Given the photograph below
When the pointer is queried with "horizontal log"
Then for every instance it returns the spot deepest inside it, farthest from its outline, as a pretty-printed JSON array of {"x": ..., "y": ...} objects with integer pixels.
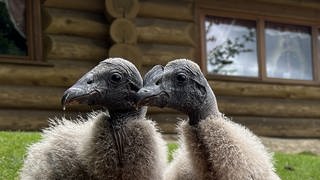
[
  {"x": 312, "y": 4},
  {"x": 70, "y": 47},
  {"x": 30, "y": 97},
  {"x": 96, "y": 6},
  {"x": 265, "y": 107},
  {"x": 166, "y": 9},
  {"x": 122, "y": 8},
  {"x": 165, "y": 31},
  {"x": 263, "y": 9},
  {"x": 269, "y": 107},
  {"x": 162, "y": 54},
  {"x": 262, "y": 126},
  {"x": 33, "y": 97},
  {"x": 282, "y": 127},
  {"x": 63, "y": 73},
  {"x": 49, "y": 98},
  {"x": 129, "y": 52},
  {"x": 30, "y": 119},
  {"x": 68, "y": 22},
  {"x": 222, "y": 88},
  {"x": 123, "y": 31}
]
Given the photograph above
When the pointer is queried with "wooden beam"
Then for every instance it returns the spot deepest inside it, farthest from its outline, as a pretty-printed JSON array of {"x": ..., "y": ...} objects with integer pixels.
[
  {"x": 165, "y": 32},
  {"x": 312, "y": 4},
  {"x": 224, "y": 88},
  {"x": 70, "y": 47},
  {"x": 269, "y": 107},
  {"x": 31, "y": 97},
  {"x": 127, "y": 51},
  {"x": 122, "y": 8},
  {"x": 95, "y": 6},
  {"x": 162, "y": 54},
  {"x": 28, "y": 120},
  {"x": 266, "y": 107},
  {"x": 123, "y": 31},
  {"x": 167, "y": 9},
  {"x": 274, "y": 11},
  {"x": 63, "y": 73},
  {"x": 68, "y": 22},
  {"x": 282, "y": 127}
]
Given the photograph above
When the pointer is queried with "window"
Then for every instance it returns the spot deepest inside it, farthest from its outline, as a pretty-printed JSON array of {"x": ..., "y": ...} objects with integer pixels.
[
  {"x": 20, "y": 31},
  {"x": 231, "y": 46},
  {"x": 258, "y": 48},
  {"x": 288, "y": 51}
]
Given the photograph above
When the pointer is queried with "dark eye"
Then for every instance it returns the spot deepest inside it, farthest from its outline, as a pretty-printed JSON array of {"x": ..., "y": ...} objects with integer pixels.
[
  {"x": 159, "y": 81},
  {"x": 90, "y": 81},
  {"x": 116, "y": 77},
  {"x": 181, "y": 77}
]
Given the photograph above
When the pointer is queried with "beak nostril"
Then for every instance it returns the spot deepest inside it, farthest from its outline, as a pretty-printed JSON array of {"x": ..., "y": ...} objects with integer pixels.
[{"x": 145, "y": 91}]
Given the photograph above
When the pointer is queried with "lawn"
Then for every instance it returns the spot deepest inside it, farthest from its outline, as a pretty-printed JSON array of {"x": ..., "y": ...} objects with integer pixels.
[{"x": 304, "y": 166}]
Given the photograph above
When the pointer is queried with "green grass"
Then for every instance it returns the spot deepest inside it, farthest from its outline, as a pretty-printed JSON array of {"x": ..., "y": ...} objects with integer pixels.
[
  {"x": 304, "y": 166},
  {"x": 12, "y": 149}
]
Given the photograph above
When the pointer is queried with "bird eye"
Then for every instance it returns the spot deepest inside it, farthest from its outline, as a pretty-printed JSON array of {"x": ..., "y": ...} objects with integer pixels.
[
  {"x": 116, "y": 77},
  {"x": 90, "y": 81},
  {"x": 181, "y": 77}
]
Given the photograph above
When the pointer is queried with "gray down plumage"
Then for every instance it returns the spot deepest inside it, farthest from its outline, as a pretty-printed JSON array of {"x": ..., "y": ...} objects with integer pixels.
[
  {"x": 211, "y": 145},
  {"x": 121, "y": 144}
]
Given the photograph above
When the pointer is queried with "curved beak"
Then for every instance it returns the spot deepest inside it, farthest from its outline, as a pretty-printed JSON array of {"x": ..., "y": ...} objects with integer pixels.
[
  {"x": 84, "y": 91},
  {"x": 78, "y": 95},
  {"x": 147, "y": 95},
  {"x": 152, "y": 93}
]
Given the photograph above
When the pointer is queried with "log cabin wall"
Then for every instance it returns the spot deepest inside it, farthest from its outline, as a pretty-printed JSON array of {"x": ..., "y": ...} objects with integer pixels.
[
  {"x": 75, "y": 38},
  {"x": 269, "y": 109},
  {"x": 78, "y": 34}
]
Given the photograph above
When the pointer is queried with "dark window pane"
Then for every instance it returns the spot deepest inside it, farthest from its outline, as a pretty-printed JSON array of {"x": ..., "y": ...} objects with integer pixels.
[
  {"x": 12, "y": 28},
  {"x": 288, "y": 51},
  {"x": 231, "y": 46}
]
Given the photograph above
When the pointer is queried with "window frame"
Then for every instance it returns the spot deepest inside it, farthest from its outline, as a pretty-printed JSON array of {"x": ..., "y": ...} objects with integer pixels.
[
  {"x": 34, "y": 37},
  {"x": 260, "y": 30}
]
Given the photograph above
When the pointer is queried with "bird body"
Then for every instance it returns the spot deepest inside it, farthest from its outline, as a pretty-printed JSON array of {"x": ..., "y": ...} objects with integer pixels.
[
  {"x": 221, "y": 149},
  {"x": 116, "y": 144},
  {"x": 214, "y": 146}
]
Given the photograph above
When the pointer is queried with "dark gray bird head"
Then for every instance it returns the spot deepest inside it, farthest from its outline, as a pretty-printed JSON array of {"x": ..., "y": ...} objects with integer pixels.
[
  {"x": 112, "y": 84},
  {"x": 182, "y": 86}
]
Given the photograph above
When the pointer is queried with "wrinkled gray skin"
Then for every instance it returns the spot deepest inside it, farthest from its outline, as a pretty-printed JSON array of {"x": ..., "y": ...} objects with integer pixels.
[
  {"x": 112, "y": 84},
  {"x": 179, "y": 85}
]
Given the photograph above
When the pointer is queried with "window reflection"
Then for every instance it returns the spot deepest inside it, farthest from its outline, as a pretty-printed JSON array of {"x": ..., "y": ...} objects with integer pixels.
[
  {"x": 288, "y": 51},
  {"x": 231, "y": 46},
  {"x": 12, "y": 27}
]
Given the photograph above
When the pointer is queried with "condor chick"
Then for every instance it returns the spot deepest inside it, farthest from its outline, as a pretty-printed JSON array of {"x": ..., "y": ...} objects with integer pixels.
[
  {"x": 118, "y": 144},
  {"x": 212, "y": 146}
]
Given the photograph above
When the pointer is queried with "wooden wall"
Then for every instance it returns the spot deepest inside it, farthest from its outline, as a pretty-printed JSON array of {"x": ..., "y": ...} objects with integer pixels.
[
  {"x": 75, "y": 33},
  {"x": 78, "y": 34}
]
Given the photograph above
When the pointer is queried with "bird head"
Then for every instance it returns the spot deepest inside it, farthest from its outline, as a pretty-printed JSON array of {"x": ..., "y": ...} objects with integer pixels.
[
  {"x": 179, "y": 85},
  {"x": 112, "y": 84}
]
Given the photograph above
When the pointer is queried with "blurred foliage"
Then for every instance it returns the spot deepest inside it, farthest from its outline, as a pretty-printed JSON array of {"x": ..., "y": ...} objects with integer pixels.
[
  {"x": 223, "y": 54},
  {"x": 11, "y": 42}
]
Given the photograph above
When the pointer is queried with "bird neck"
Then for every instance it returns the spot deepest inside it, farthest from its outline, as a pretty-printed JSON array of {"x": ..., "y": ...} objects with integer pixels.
[{"x": 209, "y": 107}]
